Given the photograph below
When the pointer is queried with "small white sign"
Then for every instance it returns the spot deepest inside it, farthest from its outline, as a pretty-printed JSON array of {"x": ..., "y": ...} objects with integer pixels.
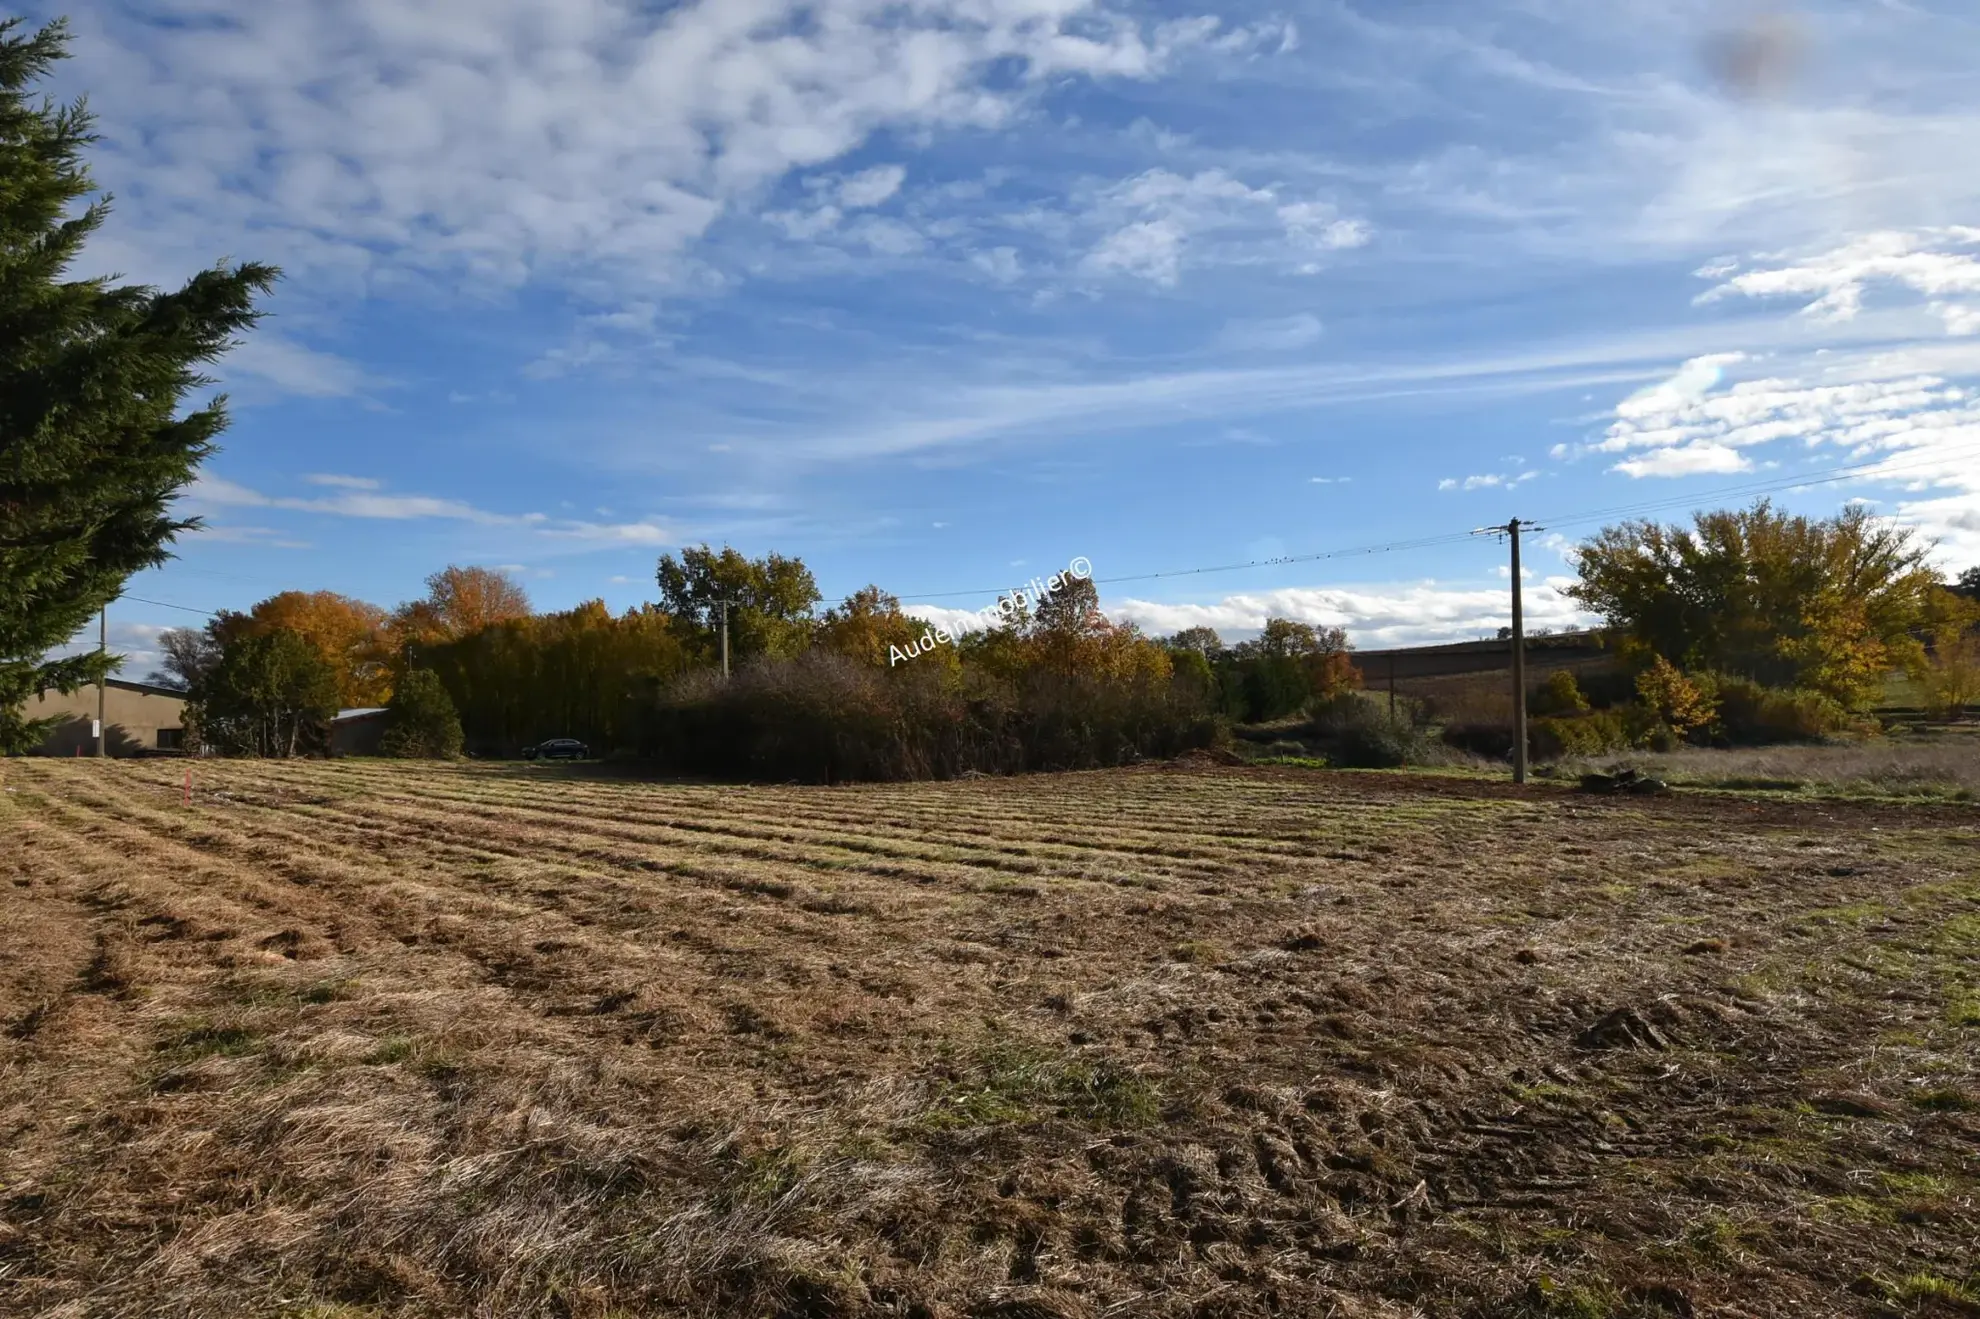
[{"x": 96, "y": 728}]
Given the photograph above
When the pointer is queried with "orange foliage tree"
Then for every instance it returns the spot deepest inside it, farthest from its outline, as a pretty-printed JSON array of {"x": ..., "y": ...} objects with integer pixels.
[
  {"x": 460, "y": 602},
  {"x": 349, "y": 634}
]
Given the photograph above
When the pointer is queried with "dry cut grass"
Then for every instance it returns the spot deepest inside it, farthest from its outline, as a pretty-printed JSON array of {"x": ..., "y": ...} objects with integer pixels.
[
  {"x": 387, "y": 1040},
  {"x": 1945, "y": 765}
]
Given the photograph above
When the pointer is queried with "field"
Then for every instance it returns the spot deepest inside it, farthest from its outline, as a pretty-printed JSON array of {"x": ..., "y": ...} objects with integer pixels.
[{"x": 370, "y": 1039}]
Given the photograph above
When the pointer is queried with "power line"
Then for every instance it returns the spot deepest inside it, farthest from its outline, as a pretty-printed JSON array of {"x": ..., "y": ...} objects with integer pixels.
[
  {"x": 166, "y": 604},
  {"x": 1820, "y": 476},
  {"x": 1385, "y": 548}
]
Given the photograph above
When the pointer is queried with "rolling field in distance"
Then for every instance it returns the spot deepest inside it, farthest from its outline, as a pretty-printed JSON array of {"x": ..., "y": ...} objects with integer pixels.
[{"x": 357, "y": 1039}]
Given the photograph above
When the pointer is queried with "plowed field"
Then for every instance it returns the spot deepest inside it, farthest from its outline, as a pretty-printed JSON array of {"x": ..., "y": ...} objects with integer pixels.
[{"x": 373, "y": 1039}]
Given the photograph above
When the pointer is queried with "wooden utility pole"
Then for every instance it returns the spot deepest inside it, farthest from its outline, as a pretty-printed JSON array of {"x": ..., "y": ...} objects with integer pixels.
[
  {"x": 1518, "y": 660},
  {"x": 103, "y": 680},
  {"x": 725, "y": 640},
  {"x": 1511, "y": 531}
]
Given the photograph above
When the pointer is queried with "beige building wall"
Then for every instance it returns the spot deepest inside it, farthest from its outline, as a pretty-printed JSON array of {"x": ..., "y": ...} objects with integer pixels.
[{"x": 139, "y": 718}]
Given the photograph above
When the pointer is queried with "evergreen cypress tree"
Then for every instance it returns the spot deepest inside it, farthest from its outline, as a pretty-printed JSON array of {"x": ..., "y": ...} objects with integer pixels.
[{"x": 91, "y": 376}]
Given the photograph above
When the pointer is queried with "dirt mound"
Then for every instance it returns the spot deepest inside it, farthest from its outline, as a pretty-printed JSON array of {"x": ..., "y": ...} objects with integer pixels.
[
  {"x": 1206, "y": 756},
  {"x": 1626, "y": 1028},
  {"x": 1624, "y": 782}
]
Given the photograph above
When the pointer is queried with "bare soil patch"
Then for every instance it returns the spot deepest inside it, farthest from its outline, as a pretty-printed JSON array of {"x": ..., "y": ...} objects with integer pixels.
[{"x": 369, "y": 1039}]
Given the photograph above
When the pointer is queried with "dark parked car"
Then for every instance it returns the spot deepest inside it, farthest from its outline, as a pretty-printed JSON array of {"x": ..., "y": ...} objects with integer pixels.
[{"x": 558, "y": 748}]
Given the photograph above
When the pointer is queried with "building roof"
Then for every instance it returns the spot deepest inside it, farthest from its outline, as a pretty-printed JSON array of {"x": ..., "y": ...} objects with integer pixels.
[
  {"x": 147, "y": 688},
  {"x": 361, "y": 712}
]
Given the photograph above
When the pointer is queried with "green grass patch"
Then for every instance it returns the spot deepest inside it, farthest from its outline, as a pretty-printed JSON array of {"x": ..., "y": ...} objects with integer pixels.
[
  {"x": 391, "y": 1049},
  {"x": 1197, "y": 952},
  {"x": 1945, "y": 1101},
  {"x": 1572, "y": 1300},
  {"x": 197, "y": 1038},
  {"x": 1013, "y": 1084}
]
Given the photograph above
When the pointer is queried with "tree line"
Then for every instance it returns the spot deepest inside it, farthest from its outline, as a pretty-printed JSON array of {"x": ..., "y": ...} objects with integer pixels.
[
  {"x": 1746, "y": 626},
  {"x": 1058, "y": 684}
]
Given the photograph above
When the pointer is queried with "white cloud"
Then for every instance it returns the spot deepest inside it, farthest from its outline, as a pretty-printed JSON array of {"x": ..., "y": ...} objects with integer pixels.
[
  {"x": 136, "y": 642},
  {"x": 1000, "y": 263},
  {"x": 1692, "y": 382},
  {"x": 1401, "y": 614},
  {"x": 215, "y": 492},
  {"x": 1959, "y": 318},
  {"x": 269, "y": 358},
  {"x": 1935, "y": 262},
  {"x": 1149, "y": 249},
  {"x": 1487, "y": 480},
  {"x": 1908, "y": 415},
  {"x": 520, "y": 139},
  {"x": 870, "y": 187},
  {"x": 957, "y": 621},
  {"x": 1688, "y": 460},
  {"x": 1155, "y": 220},
  {"x": 342, "y": 482},
  {"x": 1319, "y": 226},
  {"x": 1374, "y": 616},
  {"x": 1330, "y": 480},
  {"x": 806, "y": 225},
  {"x": 885, "y": 235}
]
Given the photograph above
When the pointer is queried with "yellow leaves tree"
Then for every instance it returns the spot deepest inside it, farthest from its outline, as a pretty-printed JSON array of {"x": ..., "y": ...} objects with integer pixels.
[
  {"x": 1952, "y": 671},
  {"x": 866, "y": 626},
  {"x": 580, "y": 673},
  {"x": 1825, "y": 604}
]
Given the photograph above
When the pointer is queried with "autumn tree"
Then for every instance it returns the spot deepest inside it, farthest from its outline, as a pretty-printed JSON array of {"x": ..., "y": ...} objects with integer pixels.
[
  {"x": 458, "y": 603},
  {"x": 349, "y": 634},
  {"x": 580, "y": 673},
  {"x": 770, "y": 601},
  {"x": 867, "y": 625},
  {"x": 93, "y": 445},
  {"x": 1951, "y": 672},
  {"x": 1286, "y": 665},
  {"x": 1787, "y": 601},
  {"x": 1203, "y": 640}
]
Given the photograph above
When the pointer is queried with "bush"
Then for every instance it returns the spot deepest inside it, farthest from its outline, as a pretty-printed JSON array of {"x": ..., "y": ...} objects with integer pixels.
[
  {"x": 1360, "y": 734},
  {"x": 1581, "y": 735},
  {"x": 1750, "y": 714},
  {"x": 1559, "y": 695},
  {"x": 1488, "y": 738},
  {"x": 822, "y": 718},
  {"x": 1680, "y": 702},
  {"x": 422, "y": 724}
]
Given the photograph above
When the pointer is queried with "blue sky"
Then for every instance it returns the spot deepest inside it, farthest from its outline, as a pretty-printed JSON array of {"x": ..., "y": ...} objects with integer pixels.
[{"x": 941, "y": 294}]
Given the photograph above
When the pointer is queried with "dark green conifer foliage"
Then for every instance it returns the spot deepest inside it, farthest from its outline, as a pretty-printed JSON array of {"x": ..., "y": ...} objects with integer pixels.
[{"x": 92, "y": 446}]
